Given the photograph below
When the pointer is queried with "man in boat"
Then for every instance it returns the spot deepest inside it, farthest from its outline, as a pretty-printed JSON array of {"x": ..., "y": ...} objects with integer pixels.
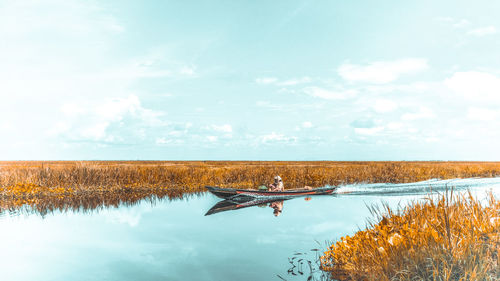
[{"x": 277, "y": 185}]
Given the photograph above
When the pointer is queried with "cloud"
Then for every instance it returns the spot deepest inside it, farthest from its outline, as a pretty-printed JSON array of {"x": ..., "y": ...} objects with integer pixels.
[
  {"x": 322, "y": 93},
  {"x": 212, "y": 138},
  {"x": 384, "y": 106},
  {"x": 395, "y": 126},
  {"x": 276, "y": 138},
  {"x": 290, "y": 107},
  {"x": 226, "y": 128},
  {"x": 482, "y": 114},
  {"x": 475, "y": 85},
  {"x": 363, "y": 123},
  {"x": 93, "y": 121},
  {"x": 422, "y": 113},
  {"x": 368, "y": 131},
  {"x": 307, "y": 124},
  {"x": 289, "y": 82},
  {"x": 267, "y": 104},
  {"x": 456, "y": 23},
  {"x": 266, "y": 80},
  {"x": 295, "y": 81},
  {"x": 188, "y": 70},
  {"x": 381, "y": 72},
  {"x": 482, "y": 31},
  {"x": 366, "y": 127}
]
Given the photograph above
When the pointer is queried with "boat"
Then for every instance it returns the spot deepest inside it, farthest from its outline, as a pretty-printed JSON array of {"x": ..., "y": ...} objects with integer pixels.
[
  {"x": 248, "y": 194},
  {"x": 229, "y": 205}
]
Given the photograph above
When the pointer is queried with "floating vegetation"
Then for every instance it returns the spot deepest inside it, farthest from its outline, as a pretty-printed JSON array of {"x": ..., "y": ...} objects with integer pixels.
[
  {"x": 444, "y": 238},
  {"x": 90, "y": 184}
]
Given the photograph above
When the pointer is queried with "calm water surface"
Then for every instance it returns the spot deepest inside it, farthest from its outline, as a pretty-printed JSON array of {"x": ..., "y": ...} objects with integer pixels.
[{"x": 173, "y": 240}]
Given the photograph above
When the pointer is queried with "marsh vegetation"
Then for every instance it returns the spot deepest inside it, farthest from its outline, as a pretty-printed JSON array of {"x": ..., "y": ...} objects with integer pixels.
[
  {"x": 91, "y": 184},
  {"x": 444, "y": 238}
]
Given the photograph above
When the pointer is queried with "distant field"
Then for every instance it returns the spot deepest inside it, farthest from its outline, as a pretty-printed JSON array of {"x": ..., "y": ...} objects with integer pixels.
[{"x": 112, "y": 182}]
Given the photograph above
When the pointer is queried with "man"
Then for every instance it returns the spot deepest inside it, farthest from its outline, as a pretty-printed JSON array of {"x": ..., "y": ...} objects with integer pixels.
[{"x": 277, "y": 185}]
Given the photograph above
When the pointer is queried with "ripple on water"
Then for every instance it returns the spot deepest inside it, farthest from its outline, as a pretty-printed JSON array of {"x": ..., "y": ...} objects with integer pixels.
[{"x": 423, "y": 187}]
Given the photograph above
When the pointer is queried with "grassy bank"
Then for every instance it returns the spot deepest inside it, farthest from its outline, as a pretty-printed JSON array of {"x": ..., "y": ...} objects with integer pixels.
[
  {"x": 194, "y": 175},
  {"x": 448, "y": 238},
  {"x": 97, "y": 183}
]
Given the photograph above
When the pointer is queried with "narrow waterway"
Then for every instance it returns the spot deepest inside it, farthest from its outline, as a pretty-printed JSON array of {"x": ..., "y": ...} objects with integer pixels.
[{"x": 174, "y": 240}]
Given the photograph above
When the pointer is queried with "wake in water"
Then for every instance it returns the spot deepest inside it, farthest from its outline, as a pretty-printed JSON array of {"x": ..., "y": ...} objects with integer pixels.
[{"x": 423, "y": 187}]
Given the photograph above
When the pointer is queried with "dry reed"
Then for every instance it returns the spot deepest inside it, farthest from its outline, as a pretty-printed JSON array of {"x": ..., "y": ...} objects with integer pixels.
[
  {"x": 448, "y": 238},
  {"x": 39, "y": 182}
]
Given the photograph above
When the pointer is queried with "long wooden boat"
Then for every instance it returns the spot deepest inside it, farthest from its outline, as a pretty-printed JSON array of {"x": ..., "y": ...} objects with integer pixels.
[{"x": 232, "y": 193}]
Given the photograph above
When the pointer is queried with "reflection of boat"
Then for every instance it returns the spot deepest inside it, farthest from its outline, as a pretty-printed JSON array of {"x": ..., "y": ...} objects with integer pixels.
[
  {"x": 228, "y": 204},
  {"x": 249, "y": 194}
]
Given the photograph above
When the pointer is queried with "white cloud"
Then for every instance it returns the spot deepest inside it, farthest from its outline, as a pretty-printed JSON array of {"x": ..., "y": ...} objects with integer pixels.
[
  {"x": 295, "y": 81},
  {"x": 482, "y": 31},
  {"x": 290, "y": 107},
  {"x": 266, "y": 80},
  {"x": 289, "y": 82},
  {"x": 395, "y": 126},
  {"x": 414, "y": 87},
  {"x": 161, "y": 141},
  {"x": 384, "y": 106},
  {"x": 461, "y": 23},
  {"x": 275, "y": 137},
  {"x": 4, "y": 125},
  {"x": 482, "y": 114},
  {"x": 307, "y": 124},
  {"x": 212, "y": 138},
  {"x": 475, "y": 85},
  {"x": 329, "y": 94},
  {"x": 171, "y": 141},
  {"x": 422, "y": 113},
  {"x": 431, "y": 139},
  {"x": 96, "y": 131},
  {"x": 226, "y": 128},
  {"x": 267, "y": 104},
  {"x": 368, "y": 131},
  {"x": 91, "y": 121},
  {"x": 72, "y": 66},
  {"x": 381, "y": 72},
  {"x": 188, "y": 70},
  {"x": 456, "y": 23}
]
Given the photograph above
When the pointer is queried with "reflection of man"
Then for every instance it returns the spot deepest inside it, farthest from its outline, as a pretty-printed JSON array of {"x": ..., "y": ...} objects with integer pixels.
[{"x": 277, "y": 206}]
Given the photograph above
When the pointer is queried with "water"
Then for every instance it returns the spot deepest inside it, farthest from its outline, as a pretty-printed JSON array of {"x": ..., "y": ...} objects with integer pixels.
[{"x": 173, "y": 240}]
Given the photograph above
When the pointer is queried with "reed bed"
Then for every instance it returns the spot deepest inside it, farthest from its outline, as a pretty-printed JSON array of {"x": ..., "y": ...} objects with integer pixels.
[
  {"x": 444, "y": 238},
  {"x": 39, "y": 182}
]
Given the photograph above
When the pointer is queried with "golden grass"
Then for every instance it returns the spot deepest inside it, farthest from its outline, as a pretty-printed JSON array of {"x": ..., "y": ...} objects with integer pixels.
[
  {"x": 448, "y": 238},
  {"x": 97, "y": 183}
]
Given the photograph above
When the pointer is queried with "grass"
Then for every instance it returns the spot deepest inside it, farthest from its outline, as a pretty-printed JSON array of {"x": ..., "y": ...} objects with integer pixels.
[
  {"x": 444, "y": 238},
  {"x": 449, "y": 238},
  {"x": 70, "y": 184}
]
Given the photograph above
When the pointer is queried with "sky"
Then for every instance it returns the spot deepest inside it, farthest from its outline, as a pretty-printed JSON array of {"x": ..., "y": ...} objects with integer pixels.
[{"x": 249, "y": 80}]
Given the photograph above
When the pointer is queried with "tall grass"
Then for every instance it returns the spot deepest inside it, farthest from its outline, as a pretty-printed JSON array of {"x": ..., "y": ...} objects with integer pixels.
[
  {"x": 194, "y": 175},
  {"x": 444, "y": 238},
  {"x": 39, "y": 182}
]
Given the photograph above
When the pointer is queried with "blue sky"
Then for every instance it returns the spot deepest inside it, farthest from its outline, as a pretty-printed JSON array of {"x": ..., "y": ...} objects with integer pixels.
[{"x": 256, "y": 80}]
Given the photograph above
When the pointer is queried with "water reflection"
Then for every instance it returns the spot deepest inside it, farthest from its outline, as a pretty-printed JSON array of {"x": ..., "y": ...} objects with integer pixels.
[
  {"x": 88, "y": 202},
  {"x": 173, "y": 240},
  {"x": 306, "y": 265},
  {"x": 231, "y": 205}
]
